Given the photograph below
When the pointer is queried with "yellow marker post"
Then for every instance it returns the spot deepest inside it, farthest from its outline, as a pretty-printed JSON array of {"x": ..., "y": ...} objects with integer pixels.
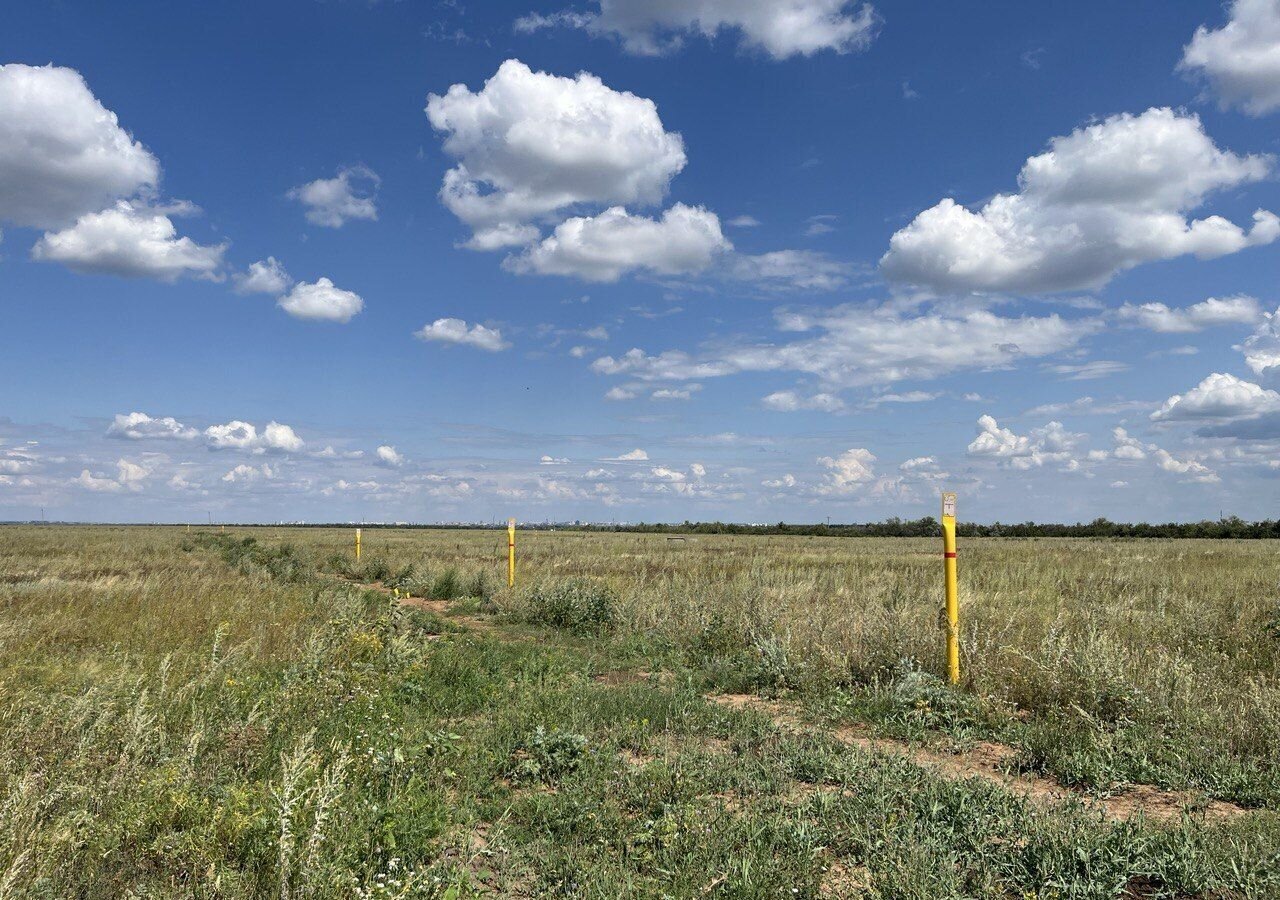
[
  {"x": 511, "y": 552},
  {"x": 953, "y": 598},
  {"x": 357, "y": 545}
]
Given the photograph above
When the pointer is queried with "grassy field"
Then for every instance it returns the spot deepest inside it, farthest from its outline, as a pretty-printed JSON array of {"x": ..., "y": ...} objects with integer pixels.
[{"x": 252, "y": 715}]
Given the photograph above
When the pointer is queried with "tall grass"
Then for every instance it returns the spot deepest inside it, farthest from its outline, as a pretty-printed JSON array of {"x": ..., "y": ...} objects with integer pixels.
[{"x": 208, "y": 716}]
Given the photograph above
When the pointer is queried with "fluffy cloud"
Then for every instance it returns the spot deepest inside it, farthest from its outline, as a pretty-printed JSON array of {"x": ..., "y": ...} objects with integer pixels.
[
  {"x": 849, "y": 470},
  {"x": 790, "y": 401},
  {"x": 332, "y": 202},
  {"x": 237, "y": 435},
  {"x": 243, "y": 473},
  {"x": 101, "y": 484},
  {"x": 1205, "y": 314},
  {"x": 1100, "y": 200},
  {"x": 280, "y": 437},
  {"x": 137, "y": 426},
  {"x": 131, "y": 240},
  {"x": 1219, "y": 396},
  {"x": 605, "y": 247},
  {"x": 456, "y": 331},
  {"x": 531, "y": 144},
  {"x": 864, "y": 345},
  {"x": 1170, "y": 463},
  {"x": 321, "y": 301},
  {"x": 1262, "y": 348},
  {"x": 129, "y": 476},
  {"x": 62, "y": 154},
  {"x": 1241, "y": 60},
  {"x": 636, "y": 455},
  {"x": 234, "y": 435},
  {"x": 780, "y": 28},
  {"x": 1053, "y": 443},
  {"x": 1128, "y": 447},
  {"x": 266, "y": 276},
  {"x": 388, "y": 456}
]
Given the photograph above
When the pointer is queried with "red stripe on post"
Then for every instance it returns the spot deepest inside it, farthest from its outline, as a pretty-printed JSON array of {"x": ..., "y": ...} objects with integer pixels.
[{"x": 950, "y": 555}]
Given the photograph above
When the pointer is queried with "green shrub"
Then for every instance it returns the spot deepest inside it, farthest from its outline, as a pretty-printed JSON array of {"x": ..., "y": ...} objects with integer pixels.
[
  {"x": 547, "y": 755},
  {"x": 405, "y": 578},
  {"x": 376, "y": 569},
  {"x": 447, "y": 586},
  {"x": 479, "y": 587},
  {"x": 576, "y": 605}
]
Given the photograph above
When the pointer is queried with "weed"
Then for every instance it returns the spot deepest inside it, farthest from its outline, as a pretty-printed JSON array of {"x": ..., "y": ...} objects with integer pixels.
[{"x": 578, "y": 605}]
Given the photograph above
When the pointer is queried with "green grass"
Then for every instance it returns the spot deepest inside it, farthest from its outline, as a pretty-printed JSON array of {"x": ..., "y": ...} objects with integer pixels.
[{"x": 216, "y": 717}]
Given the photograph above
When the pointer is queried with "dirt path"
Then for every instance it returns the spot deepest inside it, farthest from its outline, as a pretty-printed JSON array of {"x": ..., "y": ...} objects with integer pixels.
[
  {"x": 985, "y": 760},
  {"x": 437, "y": 607},
  {"x": 991, "y": 762}
]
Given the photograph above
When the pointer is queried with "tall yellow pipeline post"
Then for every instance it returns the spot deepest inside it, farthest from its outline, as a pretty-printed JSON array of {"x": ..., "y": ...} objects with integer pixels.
[
  {"x": 357, "y": 545},
  {"x": 511, "y": 553},
  {"x": 953, "y": 599}
]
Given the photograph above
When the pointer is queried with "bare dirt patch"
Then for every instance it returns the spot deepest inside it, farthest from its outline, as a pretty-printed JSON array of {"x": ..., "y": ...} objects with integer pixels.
[
  {"x": 991, "y": 762},
  {"x": 425, "y": 604},
  {"x": 622, "y": 677}
]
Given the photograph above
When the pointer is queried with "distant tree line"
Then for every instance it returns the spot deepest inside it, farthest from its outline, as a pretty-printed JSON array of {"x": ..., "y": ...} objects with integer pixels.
[{"x": 1232, "y": 527}]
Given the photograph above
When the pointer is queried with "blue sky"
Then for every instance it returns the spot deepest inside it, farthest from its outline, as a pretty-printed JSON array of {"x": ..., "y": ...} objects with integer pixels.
[{"x": 704, "y": 259}]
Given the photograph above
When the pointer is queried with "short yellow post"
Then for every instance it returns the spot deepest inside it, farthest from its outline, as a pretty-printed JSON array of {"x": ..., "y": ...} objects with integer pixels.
[
  {"x": 511, "y": 552},
  {"x": 396, "y": 592},
  {"x": 357, "y": 545},
  {"x": 953, "y": 599}
]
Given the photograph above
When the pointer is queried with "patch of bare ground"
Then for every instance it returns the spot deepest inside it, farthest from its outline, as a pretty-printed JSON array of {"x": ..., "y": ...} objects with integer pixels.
[
  {"x": 487, "y": 862},
  {"x": 426, "y": 604},
  {"x": 842, "y": 882},
  {"x": 992, "y": 762},
  {"x": 622, "y": 677}
]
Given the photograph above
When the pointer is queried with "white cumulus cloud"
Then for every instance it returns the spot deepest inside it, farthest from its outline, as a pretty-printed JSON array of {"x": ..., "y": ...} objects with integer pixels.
[
  {"x": 1158, "y": 317},
  {"x": 62, "y": 154},
  {"x": 532, "y": 144},
  {"x": 321, "y": 301},
  {"x": 137, "y": 426},
  {"x": 1241, "y": 60},
  {"x": 1052, "y": 443},
  {"x": 389, "y": 456},
  {"x": 238, "y": 435},
  {"x": 1103, "y": 199},
  {"x": 1219, "y": 396},
  {"x": 332, "y": 202},
  {"x": 456, "y": 331},
  {"x": 849, "y": 470},
  {"x": 131, "y": 240},
  {"x": 636, "y": 455},
  {"x": 607, "y": 246},
  {"x": 1262, "y": 348},
  {"x": 266, "y": 276}
]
